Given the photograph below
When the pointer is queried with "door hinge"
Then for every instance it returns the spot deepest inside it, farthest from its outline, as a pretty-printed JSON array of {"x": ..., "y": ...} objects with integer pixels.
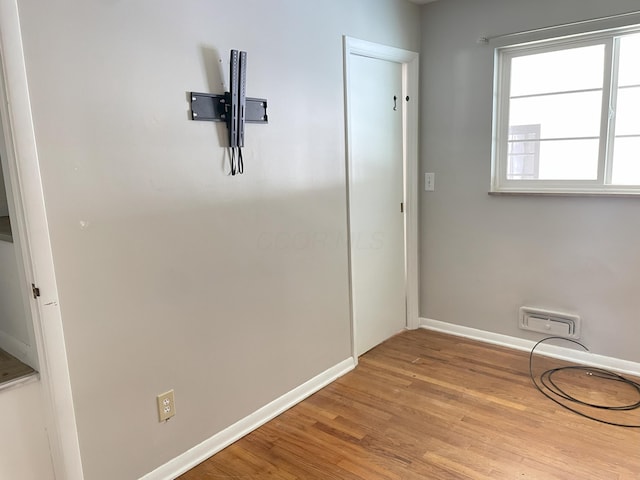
[
  {"x": 35, "y": 290},
  {"x": 401, "y": 207}
]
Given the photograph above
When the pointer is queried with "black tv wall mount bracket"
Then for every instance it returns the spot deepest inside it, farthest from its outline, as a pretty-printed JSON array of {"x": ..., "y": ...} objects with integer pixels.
[{"x": 233, "y": 108}]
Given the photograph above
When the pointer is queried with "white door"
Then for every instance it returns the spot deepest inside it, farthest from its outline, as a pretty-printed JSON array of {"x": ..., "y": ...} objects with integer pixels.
[{"x": 376, "y": 192}]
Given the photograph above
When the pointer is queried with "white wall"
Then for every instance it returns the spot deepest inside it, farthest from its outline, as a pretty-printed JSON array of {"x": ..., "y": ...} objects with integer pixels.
[
  {"x": 484, "y": 256},
  {"x": 171, "y": 274},
  {"x": 24, "y": 448}
]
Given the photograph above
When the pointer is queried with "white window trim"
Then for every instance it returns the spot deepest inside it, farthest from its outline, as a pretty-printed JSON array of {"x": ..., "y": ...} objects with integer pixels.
[{"x": 499, "y": 182}]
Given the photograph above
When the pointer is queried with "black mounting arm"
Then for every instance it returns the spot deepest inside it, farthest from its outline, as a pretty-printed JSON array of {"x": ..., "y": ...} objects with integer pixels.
[{"x": 215, "y": 108}]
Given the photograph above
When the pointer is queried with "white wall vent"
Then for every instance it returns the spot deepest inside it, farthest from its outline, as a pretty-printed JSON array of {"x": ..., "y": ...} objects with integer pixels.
[{"x": 557, "y": 324}]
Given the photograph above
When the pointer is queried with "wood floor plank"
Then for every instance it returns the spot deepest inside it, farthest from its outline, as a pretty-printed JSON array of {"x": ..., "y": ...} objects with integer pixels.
[
  {"x": 425, "y": 405},
  {"x": 11, "y": 368}
]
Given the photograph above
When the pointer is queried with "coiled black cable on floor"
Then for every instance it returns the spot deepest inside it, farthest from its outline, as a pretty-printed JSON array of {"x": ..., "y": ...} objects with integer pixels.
[{"x": 547, "y": 384}]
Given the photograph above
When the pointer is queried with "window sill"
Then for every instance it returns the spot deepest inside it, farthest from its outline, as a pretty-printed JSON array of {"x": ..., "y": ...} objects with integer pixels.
[{"x": 565, "y": 193}]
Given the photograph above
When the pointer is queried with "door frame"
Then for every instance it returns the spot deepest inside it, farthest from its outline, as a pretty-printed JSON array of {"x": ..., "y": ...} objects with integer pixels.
[
  {"x": 32, "y": 231},
  {"x": 410, "y": 77}
]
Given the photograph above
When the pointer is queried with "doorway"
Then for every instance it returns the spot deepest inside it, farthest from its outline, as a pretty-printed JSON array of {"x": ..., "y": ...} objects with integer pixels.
[
  {"x": 381, "y": 85},
  {"x": 18, "y": 353}
]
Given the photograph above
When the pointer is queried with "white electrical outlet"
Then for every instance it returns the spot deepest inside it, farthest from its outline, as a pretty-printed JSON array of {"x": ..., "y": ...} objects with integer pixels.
[
  {"x": 166, "y": 406},
  {"x": 429, "y": 182}
]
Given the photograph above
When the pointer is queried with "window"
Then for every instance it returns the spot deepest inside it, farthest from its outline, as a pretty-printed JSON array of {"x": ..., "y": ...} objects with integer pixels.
[{"x": 567, "y": 115}]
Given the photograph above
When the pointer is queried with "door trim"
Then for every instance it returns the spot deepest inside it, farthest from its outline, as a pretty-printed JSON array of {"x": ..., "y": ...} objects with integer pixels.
[
  {"x": 33, "y": 231},
  {"x": 410, "y": 77}
]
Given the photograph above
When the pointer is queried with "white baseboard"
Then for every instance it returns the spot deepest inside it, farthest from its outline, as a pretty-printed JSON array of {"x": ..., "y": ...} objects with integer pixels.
[
  {"x": 192, "y": 457},
  {"x": 15, "y": 347},
  {"x": 562, "y": 353}
]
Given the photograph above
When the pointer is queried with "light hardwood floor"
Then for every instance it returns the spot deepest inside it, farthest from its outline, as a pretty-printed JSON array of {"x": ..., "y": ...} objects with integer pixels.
[
  {"x": 11, "y": 368},
  {"x": 425, "y": 405}
]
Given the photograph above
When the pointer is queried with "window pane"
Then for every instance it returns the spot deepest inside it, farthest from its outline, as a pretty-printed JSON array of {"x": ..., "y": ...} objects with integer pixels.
[
  {"x": 626, "y": 161},
  {"x": 523, "y": 152},
  {"x": 626, "y": 151},
  {"x": 568, "y": 160},
  {"x": 629, "y": 73},
  {"x": 559, "y": 116},
  {"x": 628, "y": 111},
  {"x": 560, "y": 71}
]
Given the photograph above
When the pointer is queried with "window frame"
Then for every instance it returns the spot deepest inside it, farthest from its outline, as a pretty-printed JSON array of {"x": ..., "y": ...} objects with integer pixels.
[{"x": 500, "y": 128}]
